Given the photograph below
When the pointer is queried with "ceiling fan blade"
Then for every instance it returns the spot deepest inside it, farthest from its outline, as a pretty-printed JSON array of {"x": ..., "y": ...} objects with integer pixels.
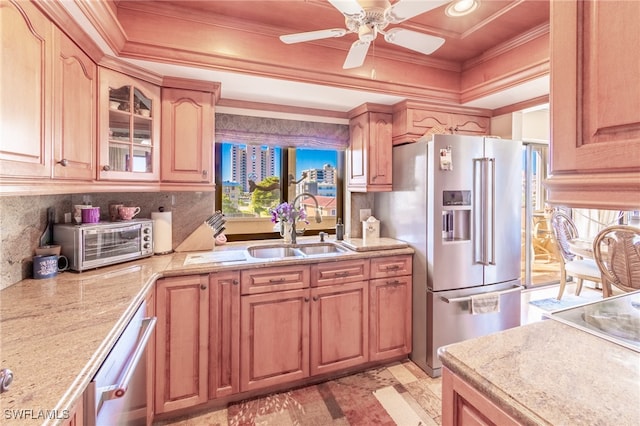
[
  {"x": 357, "y": 54},
  {"x": 407, "y": 9},
  {"x": 313, "y": 35},
  {"x": 350, "y": 8},
  {"x": 423, "y": 43}
]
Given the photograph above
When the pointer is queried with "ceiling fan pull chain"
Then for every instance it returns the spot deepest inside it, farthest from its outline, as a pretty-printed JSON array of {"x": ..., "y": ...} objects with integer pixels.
[{"x": 373, "y": 52}]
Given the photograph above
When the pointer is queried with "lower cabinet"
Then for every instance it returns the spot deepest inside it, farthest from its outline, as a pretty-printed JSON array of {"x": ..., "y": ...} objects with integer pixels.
[
  {"x": 182, "y": 341},
  {"x": 464, "y": 405},
  {"x": 390, "y": 317},
  {"x": 224, "y": 334}
]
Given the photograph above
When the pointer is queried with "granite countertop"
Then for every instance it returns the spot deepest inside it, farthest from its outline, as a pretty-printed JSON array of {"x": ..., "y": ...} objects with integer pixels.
[
  {"x": 549, "y": 373},
  {"x": 55, "y": 333}
]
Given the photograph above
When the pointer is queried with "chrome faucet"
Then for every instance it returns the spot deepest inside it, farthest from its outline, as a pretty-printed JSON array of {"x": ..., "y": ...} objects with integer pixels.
[{"x": 293, "y": 204}]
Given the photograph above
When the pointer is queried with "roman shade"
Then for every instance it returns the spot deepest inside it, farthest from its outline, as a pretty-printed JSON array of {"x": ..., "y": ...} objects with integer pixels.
[{"x": 280, "y": 132}]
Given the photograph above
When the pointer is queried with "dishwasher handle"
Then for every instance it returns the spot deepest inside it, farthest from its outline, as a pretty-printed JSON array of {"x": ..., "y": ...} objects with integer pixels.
[
  {"x": 468, "y": 298},
  {"x": 120, "y": 389}
]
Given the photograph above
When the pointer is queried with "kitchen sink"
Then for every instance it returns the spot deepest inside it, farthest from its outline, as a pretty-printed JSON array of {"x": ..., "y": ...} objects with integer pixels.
[
  {"x": 272, "y": 252},
  {"x": 280, "y": 251},
  {"x": 320, "y": 248}
]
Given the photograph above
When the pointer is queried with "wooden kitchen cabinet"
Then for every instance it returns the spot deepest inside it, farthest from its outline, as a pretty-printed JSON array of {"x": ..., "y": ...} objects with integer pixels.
[
  {"x": 595, "y": 105},
  {"x": 74, "y": 111},
  {"x": 413, "y": 119},
  {"x": 339, "y": 327},
  {"x": 187, "y": 135},
  {"x": 463, "y": 405},
  {"x": 390, "y": 296},
  {"x": 27, "y": 87},
  {"x": 182, "y": 338},
  {"x": 224, "y": 332},
  {"x": 274, "y": 346},
  {"x": 369, "y": 161},
  {"x": 128, "y": 128}
]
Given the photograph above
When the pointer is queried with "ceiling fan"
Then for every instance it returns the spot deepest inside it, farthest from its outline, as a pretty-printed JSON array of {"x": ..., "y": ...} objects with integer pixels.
[{"x": 367, "y": 18}]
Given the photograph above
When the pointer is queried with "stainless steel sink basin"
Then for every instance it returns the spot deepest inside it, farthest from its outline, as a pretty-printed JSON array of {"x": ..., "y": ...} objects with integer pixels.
[
  {"x": 280, "y": 251},
  {"x": 320, "y": 248},
  {"x": 273, "y": 252}
]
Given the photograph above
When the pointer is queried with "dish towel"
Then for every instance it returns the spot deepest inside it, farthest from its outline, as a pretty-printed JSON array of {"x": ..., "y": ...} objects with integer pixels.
[{"x": 487, "y": 303}]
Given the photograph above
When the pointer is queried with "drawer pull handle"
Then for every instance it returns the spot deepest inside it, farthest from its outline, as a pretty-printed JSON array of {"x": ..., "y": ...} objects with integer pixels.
[
  {"x": 277, "y": 280},
  {"x": 393, "y": 267},
  {"x": 394, "y": 282},
  {"x": 341, "y": 274}
]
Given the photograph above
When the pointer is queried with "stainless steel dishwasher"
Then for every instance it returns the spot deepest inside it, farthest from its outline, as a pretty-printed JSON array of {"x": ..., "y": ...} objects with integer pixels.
[{"x": 117, "y": 395}]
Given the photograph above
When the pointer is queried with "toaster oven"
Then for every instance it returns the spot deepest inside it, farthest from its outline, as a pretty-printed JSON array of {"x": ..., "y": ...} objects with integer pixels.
[{"x": 92, "y": 245}]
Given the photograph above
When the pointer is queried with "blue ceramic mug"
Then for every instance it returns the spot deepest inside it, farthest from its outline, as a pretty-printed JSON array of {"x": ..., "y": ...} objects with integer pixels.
[{"x": 48, "y": 266}]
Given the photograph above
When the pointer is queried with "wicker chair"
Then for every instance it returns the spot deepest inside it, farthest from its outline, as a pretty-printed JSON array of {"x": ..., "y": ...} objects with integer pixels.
[
  {"x": 616, "y": 250},
  {"x": 572, "y": 265}
]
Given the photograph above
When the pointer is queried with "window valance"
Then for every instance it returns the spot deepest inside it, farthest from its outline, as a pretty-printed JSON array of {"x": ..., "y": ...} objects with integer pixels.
[{"x": 280, "y": 132}]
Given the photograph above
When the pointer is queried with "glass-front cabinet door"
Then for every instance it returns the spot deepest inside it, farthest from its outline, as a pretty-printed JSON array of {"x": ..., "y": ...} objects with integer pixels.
[{"x": 129, "y": 128}]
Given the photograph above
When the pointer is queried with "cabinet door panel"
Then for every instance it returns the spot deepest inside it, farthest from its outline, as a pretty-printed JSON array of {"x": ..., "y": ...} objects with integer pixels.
[
  {"x": 75, "y": 109},
  {"x": 390, "y": 317},
  {"x": 224, "y": 357},
  {"x": 26, "y": 87},
  {"x": 182, "y": 334},
  {"x": 187, "y": 136},
  {"x": 339, "y": 327},
  {"x": 274, "y": 338}
]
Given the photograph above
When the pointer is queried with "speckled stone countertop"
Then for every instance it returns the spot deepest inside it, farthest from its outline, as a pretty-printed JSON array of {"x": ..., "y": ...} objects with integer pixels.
[
  {"x": 55, "y": 333},
  {"x": 549, "y": 373}
]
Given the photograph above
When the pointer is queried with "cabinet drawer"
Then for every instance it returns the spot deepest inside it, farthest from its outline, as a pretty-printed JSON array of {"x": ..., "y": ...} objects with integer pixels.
[
  {"x": 274, "y": 279},
  {"x": 391, "y": 266},
  {"x": 339, "y": 272}
]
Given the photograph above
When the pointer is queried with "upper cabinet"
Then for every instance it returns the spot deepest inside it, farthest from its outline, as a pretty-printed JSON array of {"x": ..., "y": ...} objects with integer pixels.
[
  {"x": 413, "y": 119},
  {"x": 188, "y": 131},
  {"x": 26, "y": 87},
  {"x": 370, "y": 149},
  {"x": 595, "y": 104},
  {"x": 74, "y": 110},
  {"x": 129, "y": 128}
]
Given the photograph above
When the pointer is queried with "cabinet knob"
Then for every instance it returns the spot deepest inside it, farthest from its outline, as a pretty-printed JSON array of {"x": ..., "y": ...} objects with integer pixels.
[
  {"x": 315, "y": 298},
  {"x": 306, "y": 299},
  {"x": 64, "y": 162},
  {"x": 204, "y": 173},
  {"x": 234, "y": 282},
  {"x": 203, "y": 287},
  {"x": 106, "y": 168}
]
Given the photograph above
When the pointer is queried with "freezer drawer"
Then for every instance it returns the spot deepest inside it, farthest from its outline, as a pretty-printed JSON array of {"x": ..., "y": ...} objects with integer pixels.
[{"x": 449, "y": 319}]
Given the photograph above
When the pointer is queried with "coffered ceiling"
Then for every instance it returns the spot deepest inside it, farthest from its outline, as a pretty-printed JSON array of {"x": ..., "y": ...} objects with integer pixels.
[{"x": 236, "y": 42}]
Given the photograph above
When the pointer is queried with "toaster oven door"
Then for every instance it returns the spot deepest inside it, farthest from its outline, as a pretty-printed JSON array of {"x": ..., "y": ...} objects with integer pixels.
[{"x": 108, "y": 245}]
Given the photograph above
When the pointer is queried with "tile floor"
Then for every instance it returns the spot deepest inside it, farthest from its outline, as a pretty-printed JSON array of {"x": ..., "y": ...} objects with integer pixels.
[{"x": 397, "y": 394}]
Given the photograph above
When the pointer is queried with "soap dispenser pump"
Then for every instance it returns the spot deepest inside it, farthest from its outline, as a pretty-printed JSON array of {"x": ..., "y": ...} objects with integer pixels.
[{"x": 339, "y": 230}]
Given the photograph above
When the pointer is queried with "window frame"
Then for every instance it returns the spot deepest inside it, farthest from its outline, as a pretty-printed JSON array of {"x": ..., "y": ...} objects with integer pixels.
[{"x": 284, "y": 173}]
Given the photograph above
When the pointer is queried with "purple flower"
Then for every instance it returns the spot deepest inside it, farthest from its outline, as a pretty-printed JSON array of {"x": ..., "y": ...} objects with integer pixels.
[{"x": 285, "y": 212}]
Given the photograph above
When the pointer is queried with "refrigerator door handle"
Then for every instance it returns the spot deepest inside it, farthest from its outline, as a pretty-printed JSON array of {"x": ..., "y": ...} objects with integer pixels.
[
  {"x": 491, "y": 191},
  {"x": 481, "y": 218},
  {"x": 468, "y": 298}
]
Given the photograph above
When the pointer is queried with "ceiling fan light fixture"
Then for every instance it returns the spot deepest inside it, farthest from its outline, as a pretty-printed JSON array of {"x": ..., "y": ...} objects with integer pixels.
[{"x": 461, "y": 7}]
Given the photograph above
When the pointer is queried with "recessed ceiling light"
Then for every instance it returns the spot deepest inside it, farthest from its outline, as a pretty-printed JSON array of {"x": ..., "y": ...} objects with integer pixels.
[{"x": 462, "y": 7}]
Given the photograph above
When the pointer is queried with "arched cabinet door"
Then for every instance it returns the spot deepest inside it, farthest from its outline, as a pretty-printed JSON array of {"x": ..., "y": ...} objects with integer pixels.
[
  {"x": 129, "y": 128},
  {"x": 187, "y": 136},
  {"x": 26, "y": 88}
]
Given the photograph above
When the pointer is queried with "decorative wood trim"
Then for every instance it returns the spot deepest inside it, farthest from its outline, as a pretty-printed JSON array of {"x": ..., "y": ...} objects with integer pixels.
[
  {"x": 370, "y": 107},
  {"x": 102, "y": 15},
  {"x": 131, "y": 70},
  {"x": 520, "y": 105},
  {"x": 189, "y": 84},
  {"x": 285, "y": 109},
  {"x": 491, "y": 18},
  {"x": 9, "y": 187},
  {"x": 432, "y": 106},
  {"x": 595, "y": 190}
]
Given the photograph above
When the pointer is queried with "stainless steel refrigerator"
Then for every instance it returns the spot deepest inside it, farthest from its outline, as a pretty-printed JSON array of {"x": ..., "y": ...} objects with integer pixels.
[{"x": 457, "y": 201}]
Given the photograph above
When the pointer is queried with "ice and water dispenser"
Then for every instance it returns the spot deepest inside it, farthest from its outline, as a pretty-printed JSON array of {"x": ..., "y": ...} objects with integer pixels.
[{"x": 456, "y": 215}]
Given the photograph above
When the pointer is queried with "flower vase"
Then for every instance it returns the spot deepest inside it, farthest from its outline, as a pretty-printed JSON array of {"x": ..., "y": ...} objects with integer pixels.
[{"x": 285, "y": 231}]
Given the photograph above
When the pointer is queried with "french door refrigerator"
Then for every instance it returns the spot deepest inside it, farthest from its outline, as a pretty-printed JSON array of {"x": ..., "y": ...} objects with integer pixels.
[{"x": 457, "y": 201}]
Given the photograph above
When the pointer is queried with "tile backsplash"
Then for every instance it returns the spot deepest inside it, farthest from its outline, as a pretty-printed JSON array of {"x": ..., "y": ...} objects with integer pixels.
[{"x": 23, "y": 219}]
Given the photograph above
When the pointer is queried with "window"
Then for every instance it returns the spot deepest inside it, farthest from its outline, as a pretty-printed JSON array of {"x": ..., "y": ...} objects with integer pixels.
[{"x": 251, "y": 179}]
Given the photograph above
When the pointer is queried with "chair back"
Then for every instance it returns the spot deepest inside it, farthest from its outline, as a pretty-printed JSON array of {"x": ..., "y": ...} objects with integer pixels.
[
  {"x": 563, "y": 230},
  {"x": 616, "y": 250}
]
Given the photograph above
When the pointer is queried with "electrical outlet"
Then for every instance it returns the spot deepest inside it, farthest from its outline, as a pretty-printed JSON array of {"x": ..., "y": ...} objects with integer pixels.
[{"x": 364, "y": 214}]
